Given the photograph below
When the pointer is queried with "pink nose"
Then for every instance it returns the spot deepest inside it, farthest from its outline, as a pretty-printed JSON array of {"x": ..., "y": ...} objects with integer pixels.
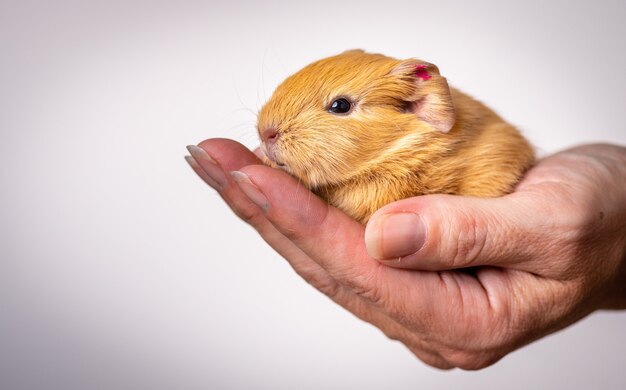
[{"x": 269, "y": 136}]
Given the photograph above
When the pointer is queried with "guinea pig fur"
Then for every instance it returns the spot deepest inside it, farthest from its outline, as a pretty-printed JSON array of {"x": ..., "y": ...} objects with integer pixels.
[{"x": 362, "y": 130}]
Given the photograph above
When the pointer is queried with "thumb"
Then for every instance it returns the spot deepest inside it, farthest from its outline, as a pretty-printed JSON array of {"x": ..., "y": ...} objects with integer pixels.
[{"x": 442, "y": 232}]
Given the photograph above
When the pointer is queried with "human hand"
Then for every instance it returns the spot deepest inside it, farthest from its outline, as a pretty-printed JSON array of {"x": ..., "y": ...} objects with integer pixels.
[{"x": 478, "y": 279}]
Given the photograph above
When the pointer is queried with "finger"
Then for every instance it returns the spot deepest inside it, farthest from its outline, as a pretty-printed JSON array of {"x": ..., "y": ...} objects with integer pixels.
[
  {"x": 228, "y": 154},
  {"x": 212, "y": 159},
  {"x": 201, "y": 172},
  {"x": 209, "y": 160},
  {"x": 231, "y": 156},
  {"x": 335, "y": 242},
  {"x": 218, "y": 155},
  {"x": 442, "y": 232},
  {"x": 341, "y": 269},
  {"x": 325, "y": 234}
]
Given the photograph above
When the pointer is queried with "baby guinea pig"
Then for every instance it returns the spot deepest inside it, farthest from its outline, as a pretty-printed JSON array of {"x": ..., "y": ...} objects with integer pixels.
[{"x": 362, "y": 130}]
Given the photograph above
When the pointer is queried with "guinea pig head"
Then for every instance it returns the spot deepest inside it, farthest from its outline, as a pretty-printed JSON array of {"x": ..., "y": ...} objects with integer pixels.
[{"x": 344, "y": 115}]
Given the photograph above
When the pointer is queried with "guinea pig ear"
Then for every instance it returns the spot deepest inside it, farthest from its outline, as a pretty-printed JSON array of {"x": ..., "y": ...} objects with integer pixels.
[
  {"x": 429, "y": 97},
  {"x": 354, "y": 51}
]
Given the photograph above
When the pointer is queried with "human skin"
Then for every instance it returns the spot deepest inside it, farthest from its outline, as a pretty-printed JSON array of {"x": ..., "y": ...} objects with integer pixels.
[{"x": 460, "y": 281}]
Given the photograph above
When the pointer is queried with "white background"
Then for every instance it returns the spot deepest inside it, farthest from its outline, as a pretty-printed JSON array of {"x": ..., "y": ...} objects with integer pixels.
[{"x": 119, "y": 269}]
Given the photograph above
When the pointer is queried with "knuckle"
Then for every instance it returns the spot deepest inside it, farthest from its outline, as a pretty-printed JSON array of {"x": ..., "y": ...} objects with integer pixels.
[
  {"x": 469, "y": 242},
  {"x": 394, "y": 334},
  {"x": 304, "y": 222},
  {"x": 369, "y": 294},
  {"x": 250, "y": 214},
  {"x": 430, "y": 359},
  {"x": 469, "y": 360},
  {"x": 243, "y": 207},
  {"x": 326, "y": 285},
  {"x": 393, "y": 330},
  {"x": 571, "y": 243},
  {"x": 365, "y": 284}
]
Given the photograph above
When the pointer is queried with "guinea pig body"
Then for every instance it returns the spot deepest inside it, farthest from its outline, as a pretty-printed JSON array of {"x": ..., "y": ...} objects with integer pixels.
[{"x": 362, "y": 130}]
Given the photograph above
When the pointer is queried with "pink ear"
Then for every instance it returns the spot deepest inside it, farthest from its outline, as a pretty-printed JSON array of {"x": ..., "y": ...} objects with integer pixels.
[
  {"x": 421, "y": 72},
  {"x": 431, "y": 100}
]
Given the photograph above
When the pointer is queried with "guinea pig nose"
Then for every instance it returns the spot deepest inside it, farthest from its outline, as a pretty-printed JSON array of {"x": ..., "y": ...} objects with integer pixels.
[{"x": 269, "y": 136}]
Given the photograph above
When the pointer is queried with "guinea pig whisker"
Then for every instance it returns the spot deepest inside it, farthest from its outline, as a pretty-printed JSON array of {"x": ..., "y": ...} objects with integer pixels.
[{"x": 244, "y": 106}]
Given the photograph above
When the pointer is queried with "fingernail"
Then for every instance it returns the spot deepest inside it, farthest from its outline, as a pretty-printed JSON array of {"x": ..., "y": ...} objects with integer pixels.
[
  {"x": 390, "y": 236},
  {"x": 200, "y": 172},
  {"x": 209, "y": 166},
  {"x": 251, "y": 191}
]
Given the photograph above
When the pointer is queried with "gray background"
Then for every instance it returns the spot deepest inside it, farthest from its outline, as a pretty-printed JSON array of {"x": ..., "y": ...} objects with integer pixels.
[{"x": 119, "y": 269}]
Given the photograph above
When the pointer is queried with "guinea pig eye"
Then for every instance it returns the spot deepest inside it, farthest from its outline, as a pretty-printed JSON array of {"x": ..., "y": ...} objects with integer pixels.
[{"x": 340, "y": 106}]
